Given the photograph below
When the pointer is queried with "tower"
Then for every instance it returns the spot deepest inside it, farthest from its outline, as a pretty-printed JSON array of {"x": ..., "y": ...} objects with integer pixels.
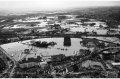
[{"x": 67, "y": 41}]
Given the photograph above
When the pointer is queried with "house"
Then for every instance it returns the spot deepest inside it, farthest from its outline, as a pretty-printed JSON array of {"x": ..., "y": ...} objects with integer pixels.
[
  {"x": 92, "y": 64},
  {"x": 31, "y": 62},
  {"x": 84, "y": 52},
  {"x": 89, "y": 42},
  {"x": 26, "y": 51},
  {"x": 113, "y": 32},
  {"x": 57, "y": 57}
]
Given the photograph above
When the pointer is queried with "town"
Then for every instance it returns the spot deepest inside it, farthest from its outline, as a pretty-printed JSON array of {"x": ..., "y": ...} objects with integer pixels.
[{"x": 59, "y": 45}]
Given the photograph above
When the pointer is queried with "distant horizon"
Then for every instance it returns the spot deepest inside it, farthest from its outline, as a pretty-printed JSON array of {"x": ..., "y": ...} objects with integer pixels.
[{"x": 48, "y": 5}]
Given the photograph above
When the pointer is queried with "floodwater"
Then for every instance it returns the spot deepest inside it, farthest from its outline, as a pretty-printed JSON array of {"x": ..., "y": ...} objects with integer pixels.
[{"x": 16, "y": 49}]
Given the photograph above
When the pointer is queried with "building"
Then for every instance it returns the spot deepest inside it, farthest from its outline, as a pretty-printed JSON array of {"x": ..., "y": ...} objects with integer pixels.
[
  {"x": 67, "y": 41},
  {"x": 113, "y": 32},
  {"x": 89, "y": 42},
  {"x": 57, "y": 57},
  {"x": 31, "y": 62},
  {"x": 84, "y": 52},
  {"x": 92, "y": 64},
  {"x": 26, "y": 51}
]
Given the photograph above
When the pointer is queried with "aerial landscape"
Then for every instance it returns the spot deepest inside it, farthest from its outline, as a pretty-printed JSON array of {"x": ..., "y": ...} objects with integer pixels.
[{"x": 59, "y": 39}]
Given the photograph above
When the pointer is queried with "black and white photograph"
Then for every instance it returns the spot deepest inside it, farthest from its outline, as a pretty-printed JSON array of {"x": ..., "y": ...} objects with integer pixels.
[{"x": 59, "y": 39}]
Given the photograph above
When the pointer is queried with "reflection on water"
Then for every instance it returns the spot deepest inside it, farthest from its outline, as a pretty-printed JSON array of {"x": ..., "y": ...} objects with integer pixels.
[{"x": 16, "y": 49}]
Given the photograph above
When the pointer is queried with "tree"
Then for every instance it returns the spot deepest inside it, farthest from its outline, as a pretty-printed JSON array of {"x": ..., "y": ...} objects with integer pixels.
[{"x": 44, "y": 17}]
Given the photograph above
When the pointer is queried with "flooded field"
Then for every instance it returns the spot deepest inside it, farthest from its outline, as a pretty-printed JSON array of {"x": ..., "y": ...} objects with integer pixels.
[{"x": 16, "y": 49}]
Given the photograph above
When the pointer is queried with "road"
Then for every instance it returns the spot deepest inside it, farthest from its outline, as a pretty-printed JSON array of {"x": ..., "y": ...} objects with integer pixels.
[{"x": 12, "y": 59}]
